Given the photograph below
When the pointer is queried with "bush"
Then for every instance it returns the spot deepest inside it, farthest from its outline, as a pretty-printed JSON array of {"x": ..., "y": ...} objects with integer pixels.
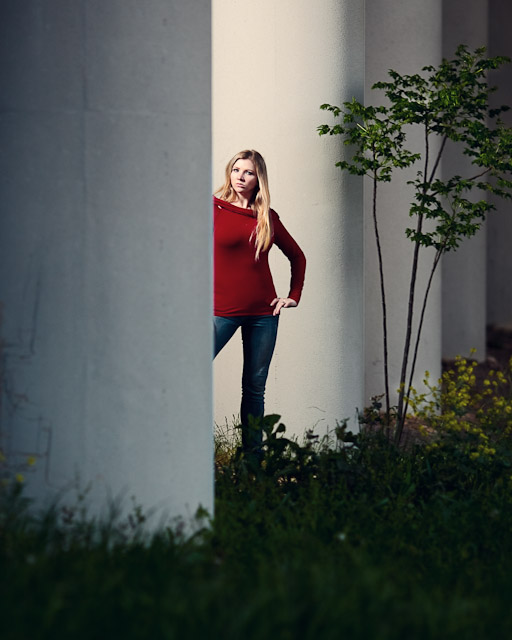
[
  {"x": 346, "y": 536},
  {"x": 471, "y": 418}
]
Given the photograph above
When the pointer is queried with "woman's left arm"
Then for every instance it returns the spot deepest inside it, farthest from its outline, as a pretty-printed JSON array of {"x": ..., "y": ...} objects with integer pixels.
[{"x": 297, "y": 264}]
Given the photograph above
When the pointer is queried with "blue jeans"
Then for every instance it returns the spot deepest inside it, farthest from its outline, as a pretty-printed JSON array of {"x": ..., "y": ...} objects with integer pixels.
[{"x": 259, "y": 335}]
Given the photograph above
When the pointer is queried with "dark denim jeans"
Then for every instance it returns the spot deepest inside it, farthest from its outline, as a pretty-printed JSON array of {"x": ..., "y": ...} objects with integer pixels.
[{"x": 259, "y": 335}]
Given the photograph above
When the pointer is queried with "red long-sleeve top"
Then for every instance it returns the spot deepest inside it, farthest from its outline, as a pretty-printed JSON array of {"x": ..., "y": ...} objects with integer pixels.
[{"x": 243, "y": 286}]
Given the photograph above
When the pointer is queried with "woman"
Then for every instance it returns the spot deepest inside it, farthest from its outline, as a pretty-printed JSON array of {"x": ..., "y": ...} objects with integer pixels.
[{"x": 245, "y": 228}]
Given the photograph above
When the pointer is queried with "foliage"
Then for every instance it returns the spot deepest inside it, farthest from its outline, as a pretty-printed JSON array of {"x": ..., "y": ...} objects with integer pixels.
[
  {"x": 469, "y": 417},
  {"x": 227, "y": 440},
  {"x": 342, "y": 536},
  {"x": 448, "y": 103}
]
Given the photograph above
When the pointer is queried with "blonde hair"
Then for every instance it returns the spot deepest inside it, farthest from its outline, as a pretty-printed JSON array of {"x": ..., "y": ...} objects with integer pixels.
[{"x": 260, "y": 202}]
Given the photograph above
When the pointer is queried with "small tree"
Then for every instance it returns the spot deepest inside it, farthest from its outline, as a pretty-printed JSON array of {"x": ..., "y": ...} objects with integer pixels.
[{"x": 450, "y": 102}]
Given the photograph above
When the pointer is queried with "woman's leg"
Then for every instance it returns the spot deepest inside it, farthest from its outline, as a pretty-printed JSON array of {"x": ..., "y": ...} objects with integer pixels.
[
  {"x": 259, "y": 335},
  {"x": 223, "y": 330}
]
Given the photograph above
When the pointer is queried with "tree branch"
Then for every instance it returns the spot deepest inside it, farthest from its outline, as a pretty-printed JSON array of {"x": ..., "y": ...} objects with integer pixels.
[
  {"x": 479, "y": 175},
  {"x": 438, "y": 159}
]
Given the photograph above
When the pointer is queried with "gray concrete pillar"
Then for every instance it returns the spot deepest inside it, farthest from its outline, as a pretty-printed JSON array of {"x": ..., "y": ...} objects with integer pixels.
[
  {"x": 464, "y": 270},
  {"x": 275, "y": 63},
  {"x": 105, "y": 248},
  {"x": 403, "y": 35},
  {"x": 499, "y": 230}
]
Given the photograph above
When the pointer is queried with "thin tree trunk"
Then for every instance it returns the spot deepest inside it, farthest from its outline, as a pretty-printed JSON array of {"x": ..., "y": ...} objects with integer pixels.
[
  {"x": 403, "y": 395},
  {"x": 418, "y": 335},
  {"x": 383, "y": 297},
  {"x": 408, "y": 334},
  {"x": 410, "y": 311},
  {"x": 435, "y": 264}
]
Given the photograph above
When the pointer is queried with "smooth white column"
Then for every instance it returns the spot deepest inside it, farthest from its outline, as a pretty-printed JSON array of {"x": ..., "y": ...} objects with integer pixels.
[
  {"x": 274, "y": 64},
  {"x": 404, "y": 35},
  {"x": 464, "y": 270},
  {"x": 105, "y": 248}
]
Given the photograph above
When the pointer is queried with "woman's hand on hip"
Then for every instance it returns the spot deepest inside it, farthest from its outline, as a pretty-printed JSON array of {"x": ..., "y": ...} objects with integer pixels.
[{"x": 282, "y": 303}]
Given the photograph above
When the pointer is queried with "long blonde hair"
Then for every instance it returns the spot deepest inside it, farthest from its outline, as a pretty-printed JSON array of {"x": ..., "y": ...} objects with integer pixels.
[{"x": 260, "y": 202}]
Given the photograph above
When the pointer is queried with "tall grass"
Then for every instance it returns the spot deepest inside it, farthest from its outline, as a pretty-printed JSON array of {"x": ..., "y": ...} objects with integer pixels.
[{"x": 357, "y": 539}]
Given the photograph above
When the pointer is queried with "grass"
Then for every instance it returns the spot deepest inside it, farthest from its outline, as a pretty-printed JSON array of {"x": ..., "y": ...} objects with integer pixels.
[{"x": 357, "y": 539}]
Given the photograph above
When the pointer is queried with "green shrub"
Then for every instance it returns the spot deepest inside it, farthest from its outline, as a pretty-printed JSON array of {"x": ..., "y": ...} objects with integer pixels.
[
  {"x": 347, "y": 536},
  {"x": 472, "y": 418}
]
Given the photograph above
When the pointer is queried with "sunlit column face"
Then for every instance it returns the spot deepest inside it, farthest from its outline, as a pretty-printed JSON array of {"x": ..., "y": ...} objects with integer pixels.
[{"x": 300, "y": 58}]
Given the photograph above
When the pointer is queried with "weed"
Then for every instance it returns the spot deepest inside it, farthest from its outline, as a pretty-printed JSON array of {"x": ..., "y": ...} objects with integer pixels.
[{"x": 343, "y": 536}]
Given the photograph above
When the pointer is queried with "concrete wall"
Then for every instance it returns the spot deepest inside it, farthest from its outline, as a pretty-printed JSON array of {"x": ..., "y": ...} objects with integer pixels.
[
  {"x": 274, "y": 64},
  {"x": 105, "y": 247},
  {"x": 404, "y": 35}
]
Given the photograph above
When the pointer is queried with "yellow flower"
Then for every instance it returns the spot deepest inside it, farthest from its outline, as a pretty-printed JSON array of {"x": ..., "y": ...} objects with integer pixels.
[{"x": 19, "y": 478}]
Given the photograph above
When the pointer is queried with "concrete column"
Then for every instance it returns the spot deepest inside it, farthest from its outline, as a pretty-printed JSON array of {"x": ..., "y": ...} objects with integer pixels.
[
  {"x": 274, "y": 64},
  {"x": 403, "y": 35},
  {"x": 464, "y": 270},
  {"x": 105, "y": 249},
  {"x": 499, "y": 265}
]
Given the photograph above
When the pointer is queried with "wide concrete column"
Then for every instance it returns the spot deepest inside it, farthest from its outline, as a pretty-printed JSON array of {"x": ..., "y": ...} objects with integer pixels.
[
  {"x": 105, "y": 249},
  {"x": 404, "y": 35},
  {"x": 464, "y": 270},
  {"x": 499, "y": 265},
  {"x": 274, "y": 64}
]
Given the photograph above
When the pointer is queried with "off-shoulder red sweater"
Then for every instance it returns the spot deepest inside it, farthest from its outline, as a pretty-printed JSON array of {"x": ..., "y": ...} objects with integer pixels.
[{"x": 243, "y": 286}]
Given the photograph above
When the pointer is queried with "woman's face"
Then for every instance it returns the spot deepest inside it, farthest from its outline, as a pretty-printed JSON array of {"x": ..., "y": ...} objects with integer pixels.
[{"x": 243, "y": 178}]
